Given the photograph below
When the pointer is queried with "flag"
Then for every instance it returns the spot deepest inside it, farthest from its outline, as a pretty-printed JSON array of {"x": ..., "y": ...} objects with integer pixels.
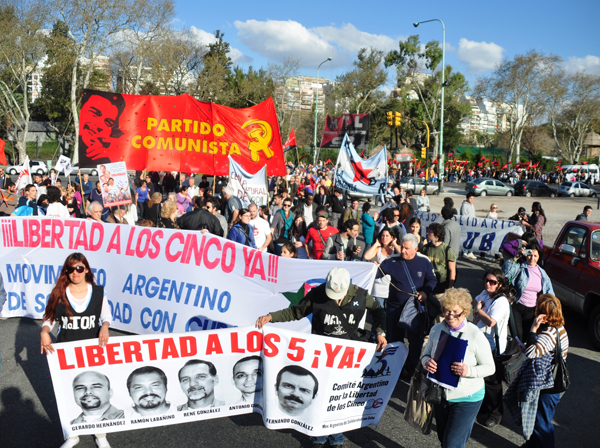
[
  {"x": 63, "y": 165},
  {"x": 451, "y": 154},
  {"x": 290, "y": 143},
  {"x": 25, "y": 175},
  {"x": 504, "y": 167},
  {"x": 435, "y": 161},
  {"x": 2, "y": 153}
]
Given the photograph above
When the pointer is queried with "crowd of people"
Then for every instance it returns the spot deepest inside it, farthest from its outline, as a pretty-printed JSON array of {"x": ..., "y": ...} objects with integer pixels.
[{"x": 309, "y": 218}]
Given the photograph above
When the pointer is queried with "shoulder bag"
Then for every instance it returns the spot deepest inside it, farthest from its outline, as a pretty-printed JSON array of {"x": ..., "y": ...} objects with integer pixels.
[
  {"x": 414, "y": 316},
  {"x": 509, "y": 363},
  {"x": 559, "y": 370},
  {"x": 419, "y": 412}
]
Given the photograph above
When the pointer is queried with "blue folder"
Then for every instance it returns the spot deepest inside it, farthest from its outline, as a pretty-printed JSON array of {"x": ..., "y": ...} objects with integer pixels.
[{"x": 449, "y": 349}]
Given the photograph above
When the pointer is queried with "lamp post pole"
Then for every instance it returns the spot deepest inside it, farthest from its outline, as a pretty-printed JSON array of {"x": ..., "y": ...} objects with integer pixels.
[
  {"x": 317, "y": 112},
  {"x": 441, "y": 148}
]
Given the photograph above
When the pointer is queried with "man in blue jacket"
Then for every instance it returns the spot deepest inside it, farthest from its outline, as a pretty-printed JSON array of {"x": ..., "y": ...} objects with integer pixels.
[{"x": 405, "y": 271}]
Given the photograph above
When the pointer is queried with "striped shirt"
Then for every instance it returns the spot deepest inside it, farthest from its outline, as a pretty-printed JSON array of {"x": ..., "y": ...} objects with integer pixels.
[{"x": 545, "y": 342}]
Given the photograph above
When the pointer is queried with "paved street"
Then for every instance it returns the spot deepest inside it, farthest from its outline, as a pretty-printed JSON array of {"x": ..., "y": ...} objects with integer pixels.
[{"x": 29, "y": 418}]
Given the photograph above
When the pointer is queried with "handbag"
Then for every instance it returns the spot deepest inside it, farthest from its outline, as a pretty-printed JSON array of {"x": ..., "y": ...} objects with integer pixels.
[
  {"x": 414, "y": 316},
  {"x": 560, "y": 373},
  {"x": 509, "y": 363},
  {"x": 418, "y": 413}
]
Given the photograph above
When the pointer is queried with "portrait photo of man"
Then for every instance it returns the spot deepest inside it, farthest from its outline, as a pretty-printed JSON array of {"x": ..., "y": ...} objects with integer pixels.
[
  {"x": 99, "y": 125},
  {"x": 247, "y": 377},
  {"x": 92, "y": 393},
  {"x": 147, "y": 388},
  {"x": 197, "y": 379},
  {"x": 296, "y": 389}
]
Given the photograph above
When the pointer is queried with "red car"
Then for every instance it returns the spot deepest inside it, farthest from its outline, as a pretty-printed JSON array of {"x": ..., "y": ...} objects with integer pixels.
[{"x": 573, "y": 265}]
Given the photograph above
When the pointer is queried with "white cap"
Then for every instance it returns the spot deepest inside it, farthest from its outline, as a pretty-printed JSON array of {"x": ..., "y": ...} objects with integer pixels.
[{"x": 338, "y": 282}]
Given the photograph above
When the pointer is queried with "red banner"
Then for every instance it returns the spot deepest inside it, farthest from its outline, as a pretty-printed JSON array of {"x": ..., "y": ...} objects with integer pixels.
[
  {"x": 290, "y": 143},
  {"x": 355, "y": 125},
  {"x": 177, "y": 133},
  {"x": 2, "y": 153}
]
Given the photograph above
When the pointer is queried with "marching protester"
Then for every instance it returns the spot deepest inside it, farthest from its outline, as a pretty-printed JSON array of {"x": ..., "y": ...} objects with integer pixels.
[
  {"x": 262, "y": 231},
  {"x": 184, "y": 201},
  {"x": 536, "y": 221},
  {"x": 316, "y": 238},
  {"x": 353, "y": 213},
  {"x": 281, "y": 226},
  {"x": 587, "y": 212},
  {"x": 309, "y": 209},
  {"x": 423, "y": 201},
  {"x": 491, "y": 312},
  {"x": 168, "y": 216},
  {"x": 529, "y": 280},
  {"x": 455, "y": 415},
  {"x": 76, "y": 295},
  {"x": 142, "y": 197},
  {"x": 117, "y": 215},
  {"x": 442, "y": 258},
  {"x": 29, "y": 199},
  {"x": 289, "y": 251},
  {"x": 232, "y": 206},
  {"x": 348, "y": 303},
  {"x": 242, "y": 231},
  {"x": 337, "y": 208},
  {"x": 202, "y": 219},
  {"x": 368, "y": 225},
  {"x": 412, "y": 279},
  {"x": 384, "y": 247},
  {"x": 345, "y": 246},
  {"x": 467, "y": 209},
  {"x": 414, "y": 228},
  {"x": 298, "y": 238},
  {"x": 152, "y": 211},
  {"x": 94, "y": 211},
  {"x": 452, "y": 228},
  {"x": 56, "y": 208}
]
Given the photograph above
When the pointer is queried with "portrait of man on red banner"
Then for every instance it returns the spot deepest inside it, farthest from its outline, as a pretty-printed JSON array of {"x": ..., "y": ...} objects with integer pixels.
[{"x": 178, "y": 133}]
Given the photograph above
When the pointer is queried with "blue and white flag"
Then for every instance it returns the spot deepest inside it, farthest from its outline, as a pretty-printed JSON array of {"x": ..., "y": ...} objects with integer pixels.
[{"x": 355, "y": 174}]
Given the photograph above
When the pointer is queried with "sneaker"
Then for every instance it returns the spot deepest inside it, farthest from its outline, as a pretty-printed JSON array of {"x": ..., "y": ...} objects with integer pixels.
[
  {"x": 70, "y": 442},
  {"x": 102, "y": 442},
  {"x": 491, "y": 422},
  {"x": 471, "y": 256}
]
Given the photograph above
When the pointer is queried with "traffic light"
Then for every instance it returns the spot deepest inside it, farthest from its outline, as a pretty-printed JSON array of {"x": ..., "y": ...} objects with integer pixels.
[
  {"x": 423, "y": 153},
  {"x": 390, "y": 118},
  {"x": 398, "y": 119}
]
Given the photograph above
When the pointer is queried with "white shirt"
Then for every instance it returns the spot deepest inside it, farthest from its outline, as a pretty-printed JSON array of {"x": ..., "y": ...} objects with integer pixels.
[
  {"x": 499, "y": 310},
  {"x": 193, "y": 191},
  {"x": 308, "y": 215},
  {"x": 80, "y": 305},
  {"x": 57, "y": 210},
  {"x": 261, "y": 230}
]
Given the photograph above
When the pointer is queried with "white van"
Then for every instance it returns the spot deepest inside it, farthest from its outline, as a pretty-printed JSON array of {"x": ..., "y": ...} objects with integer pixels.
[{"x": 592, "y": 173}]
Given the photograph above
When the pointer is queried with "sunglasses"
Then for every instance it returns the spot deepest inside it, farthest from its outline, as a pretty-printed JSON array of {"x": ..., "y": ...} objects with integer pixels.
[
  {"x": 491, "y": 282},
  {"x": 287, "y": 205},
  {"x": 79, "y": 269}
]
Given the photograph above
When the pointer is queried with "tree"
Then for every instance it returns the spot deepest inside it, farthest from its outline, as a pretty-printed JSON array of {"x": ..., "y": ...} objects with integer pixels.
[
  {"x": 515, "y": 87},
  {"x": 358, "y": 91},
  {"x": 536, "y": 141},
  {"x": 287, "y": 103},
  {"x": 249, "y": 88},
  {"x": 21, "y": 50},
  {"x": 419, "y": 86},
  {"x": 213, "y": 81},
  {"x": 572, "y": 104}
]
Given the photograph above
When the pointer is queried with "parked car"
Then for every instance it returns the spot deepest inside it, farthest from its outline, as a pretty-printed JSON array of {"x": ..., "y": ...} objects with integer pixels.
[
  {"x": 573, "y": 265},
  {"x": 534, "y": 188},
  {"x": 37, "y": 167},
  {"x": 90, "y": 171},
  {"x": 484, "y": 186},
  {"x": 576, "y": 189},
  {"x": 416, "y": 184}
]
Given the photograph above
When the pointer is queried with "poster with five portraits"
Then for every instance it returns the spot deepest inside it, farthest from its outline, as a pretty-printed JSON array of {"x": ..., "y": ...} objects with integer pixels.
[{"x": 314, "y": 384}]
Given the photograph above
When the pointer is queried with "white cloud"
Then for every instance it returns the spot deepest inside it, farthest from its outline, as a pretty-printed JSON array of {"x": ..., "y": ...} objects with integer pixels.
[
  {"x": 479, "y": 56},
  {"x": 206, "y": 38},
  {"x": 589, "y": 64},
  {"x": 277, "y": 40}
]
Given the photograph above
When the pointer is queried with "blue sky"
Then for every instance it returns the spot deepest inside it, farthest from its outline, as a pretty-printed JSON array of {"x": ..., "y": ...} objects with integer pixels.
[{"x": 478, "y": 34}]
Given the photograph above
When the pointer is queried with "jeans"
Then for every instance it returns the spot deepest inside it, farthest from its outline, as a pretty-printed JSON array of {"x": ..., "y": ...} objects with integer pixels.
[
  {"x": 396, "y": 334},
  {"x": 543, "y": 432},
  {"x": 455, "y": 421},
  {"x": 334, "y": 439}
]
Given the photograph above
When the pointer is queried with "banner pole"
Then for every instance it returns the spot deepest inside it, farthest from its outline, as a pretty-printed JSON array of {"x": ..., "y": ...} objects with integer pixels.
[
  {"x": 81, "y": 192},
  {"x": 214, "y": 182}
]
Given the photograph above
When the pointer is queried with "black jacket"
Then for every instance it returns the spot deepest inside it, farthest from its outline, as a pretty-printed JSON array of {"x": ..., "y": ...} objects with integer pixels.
[
  {"x": 200, "y": 219},
  {"x": 337, "y": 204},
  {"x": 152, "y": 213}
]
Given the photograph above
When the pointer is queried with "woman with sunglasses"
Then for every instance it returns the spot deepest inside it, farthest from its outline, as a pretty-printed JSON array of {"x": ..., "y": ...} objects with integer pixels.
[
  {"x": 492, "y": 312},
  {"x": 76, "y": 295},
  {"x": 456, "y": 414}
]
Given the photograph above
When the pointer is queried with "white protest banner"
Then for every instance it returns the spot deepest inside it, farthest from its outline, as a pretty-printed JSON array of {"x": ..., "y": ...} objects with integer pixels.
[
  {"x": 476, "y": 234},
  {"x": 24, "y": 178},
  {"x": 115, "y": 184},
  {"x": 316, "y": 385},
  {"x": 250, "y": 188},
  {"x": 63, "y": 165},
  {"x": 158, "y": 280},
  {"x": 367, "y": 176}
]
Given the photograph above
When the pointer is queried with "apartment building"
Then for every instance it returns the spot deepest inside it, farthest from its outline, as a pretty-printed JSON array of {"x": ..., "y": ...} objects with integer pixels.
[{"x": 299, "y": 93}]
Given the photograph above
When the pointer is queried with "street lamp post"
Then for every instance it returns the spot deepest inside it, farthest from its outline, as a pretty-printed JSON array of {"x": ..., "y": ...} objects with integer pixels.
[
  {"x": 317, "y": 112},
  {"x": 441, "y": 149}
]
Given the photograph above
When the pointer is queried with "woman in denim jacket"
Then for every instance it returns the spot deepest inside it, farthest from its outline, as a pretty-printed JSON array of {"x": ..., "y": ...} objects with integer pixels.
[{"x": 530, "y": 281}]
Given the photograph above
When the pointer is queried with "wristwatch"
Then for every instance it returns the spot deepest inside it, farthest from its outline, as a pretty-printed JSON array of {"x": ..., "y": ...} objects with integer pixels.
[{"x": 381, "y": 333}]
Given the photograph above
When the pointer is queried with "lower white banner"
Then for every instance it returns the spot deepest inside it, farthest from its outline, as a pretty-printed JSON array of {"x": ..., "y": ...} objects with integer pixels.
[
  {"x": 316, "y": 385},
  {"x": 158, "y": 280},
  {"x": 476, "y": 234},
  {"x": 250, "y": 188}
]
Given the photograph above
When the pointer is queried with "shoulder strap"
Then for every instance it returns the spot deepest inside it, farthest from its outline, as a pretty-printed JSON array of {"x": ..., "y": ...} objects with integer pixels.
[
  {"x": 558, "y": 350},
  {"x": 412, "y": 285},
  {"x": 321, "y": 236}
]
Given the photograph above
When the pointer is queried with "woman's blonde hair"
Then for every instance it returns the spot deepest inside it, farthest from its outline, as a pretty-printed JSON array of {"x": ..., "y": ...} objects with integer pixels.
[
  {"x": 168, "y": 208},
  {"x": 457, "y": 297},
  {"x": 492, "y": 206},
  {"x": 156, "y": 198}
]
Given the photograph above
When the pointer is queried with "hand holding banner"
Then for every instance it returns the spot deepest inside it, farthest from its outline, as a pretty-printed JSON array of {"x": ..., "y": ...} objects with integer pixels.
[{"x": 314, "y": 384}]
